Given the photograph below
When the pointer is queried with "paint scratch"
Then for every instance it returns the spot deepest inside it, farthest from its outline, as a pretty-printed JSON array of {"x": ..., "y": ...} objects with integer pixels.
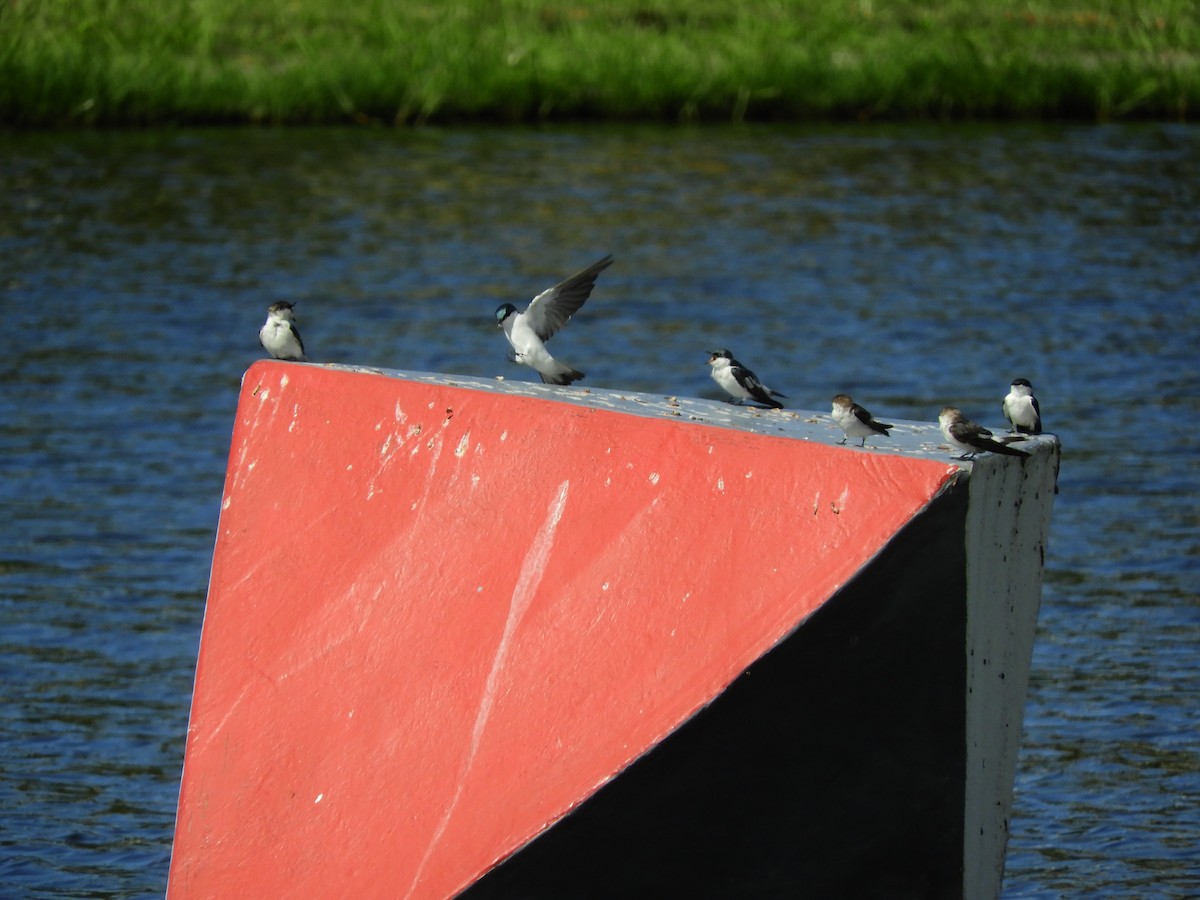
[{"x": 532, "y": 570}]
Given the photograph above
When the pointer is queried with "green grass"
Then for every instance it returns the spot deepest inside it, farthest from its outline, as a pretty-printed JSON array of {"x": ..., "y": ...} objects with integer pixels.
[{"x": 116, "y": 62}]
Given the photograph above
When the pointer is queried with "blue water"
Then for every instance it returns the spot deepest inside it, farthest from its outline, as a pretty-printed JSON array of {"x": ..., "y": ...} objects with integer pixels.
[{"x": 911, "y": 266}]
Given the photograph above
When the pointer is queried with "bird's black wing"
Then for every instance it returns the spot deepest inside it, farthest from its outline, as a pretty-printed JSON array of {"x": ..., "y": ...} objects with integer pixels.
[
  {"x": 750, "y": 382},
  {"x": 869, "y": 420},
  {"x": 552, "y": 308}
]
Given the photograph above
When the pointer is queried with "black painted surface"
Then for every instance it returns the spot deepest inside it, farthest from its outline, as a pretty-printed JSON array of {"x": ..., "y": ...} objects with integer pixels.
[{"x": 833, "y": 767}]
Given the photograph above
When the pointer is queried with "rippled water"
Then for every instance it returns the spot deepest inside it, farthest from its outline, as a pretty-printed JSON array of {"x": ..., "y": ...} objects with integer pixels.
[{"x": 911, "y": 266}]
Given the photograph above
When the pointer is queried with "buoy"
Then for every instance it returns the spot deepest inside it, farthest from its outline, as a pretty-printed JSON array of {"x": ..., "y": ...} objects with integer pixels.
[{"x": 515, "y": 640}]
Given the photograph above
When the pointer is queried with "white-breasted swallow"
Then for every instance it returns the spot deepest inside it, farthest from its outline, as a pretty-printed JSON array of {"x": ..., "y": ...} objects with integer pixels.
[
  {"x": 549, "y": 311},
  {"x": 856, "y": 421},
  {"x": 279, "y": 335},
  {"x": 1021, "y": 408},
  {"x": 963, "y": 434},
  {"x": 739, "y": 382}
]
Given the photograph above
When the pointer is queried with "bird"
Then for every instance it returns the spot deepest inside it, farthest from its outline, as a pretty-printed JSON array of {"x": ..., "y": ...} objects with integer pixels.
[
  {"x": 739, "y": 381},
  {"x": 549, "y": 311},
  {"x": 1021, "y": 408},
  {"x": 963, "y": 434},
  {"x": 856, "y": 421},
  {"x": 279, "y": 335}
]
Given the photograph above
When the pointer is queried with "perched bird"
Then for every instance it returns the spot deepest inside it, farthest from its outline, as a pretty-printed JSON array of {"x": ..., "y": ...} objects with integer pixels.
[
  {"x": 279, "y": 335},
  {"x": 546, "y": 314},
  {"x": 856, "y": 421},
  {"x": 1021, "y": 408},
  {"x": 963, "y": 434},
  {"x": 739, "y": 381}
]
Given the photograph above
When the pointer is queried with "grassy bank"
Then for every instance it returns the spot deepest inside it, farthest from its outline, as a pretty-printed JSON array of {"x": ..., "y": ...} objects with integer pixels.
[{"x": 391, "y": 61}]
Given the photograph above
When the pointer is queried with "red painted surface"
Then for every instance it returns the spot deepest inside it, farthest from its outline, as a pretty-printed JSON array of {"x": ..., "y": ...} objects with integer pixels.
[{"x": 439, "y": 618}]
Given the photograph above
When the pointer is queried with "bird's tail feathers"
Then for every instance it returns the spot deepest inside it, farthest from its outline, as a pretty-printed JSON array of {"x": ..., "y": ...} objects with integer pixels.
[
  {"x": 1005, "y": 450},
  {"x": 562, "y": 375}
]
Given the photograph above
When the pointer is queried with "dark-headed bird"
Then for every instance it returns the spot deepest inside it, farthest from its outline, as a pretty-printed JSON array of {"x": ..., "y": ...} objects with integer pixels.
[
  {"x": 739, "y": 382},
  {"x": 549, "y": 311},
  {"x": 1021, "y": 408},
  {"x": 279, "y": 335}
]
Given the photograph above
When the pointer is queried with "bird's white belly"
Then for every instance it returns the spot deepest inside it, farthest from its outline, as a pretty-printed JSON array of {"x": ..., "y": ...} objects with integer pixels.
[
  {"x": 1020, "y": 412},
  {"x": 528, "y": 348},
  {"x": 724, "y": 377},
  {"x": 852, "y": 425},
  {"x": 275, "y": 336}
]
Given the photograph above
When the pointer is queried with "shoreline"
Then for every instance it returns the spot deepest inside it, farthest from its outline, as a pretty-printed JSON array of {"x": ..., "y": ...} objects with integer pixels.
[{"x": 314, "y": 62}]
